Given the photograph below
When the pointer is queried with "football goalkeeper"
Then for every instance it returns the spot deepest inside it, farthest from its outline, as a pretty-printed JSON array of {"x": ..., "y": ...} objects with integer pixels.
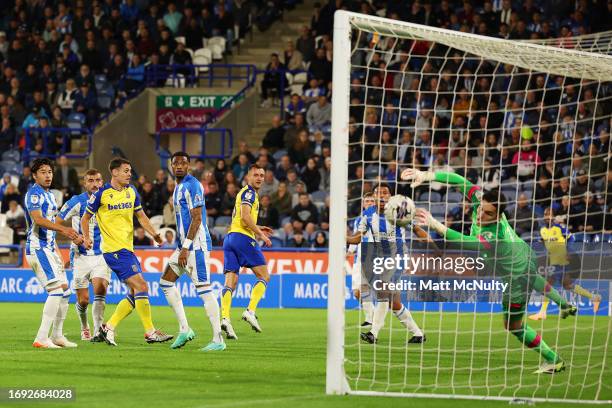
[{"x": 513, "y": 259}]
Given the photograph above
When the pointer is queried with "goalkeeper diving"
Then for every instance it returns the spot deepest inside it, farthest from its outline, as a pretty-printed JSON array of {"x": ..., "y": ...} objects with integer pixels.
[{"x": 514, "y": 260}]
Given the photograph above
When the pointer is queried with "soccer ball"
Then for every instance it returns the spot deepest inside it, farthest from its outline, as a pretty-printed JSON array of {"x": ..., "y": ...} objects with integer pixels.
[{"x": 400, "y": 210}]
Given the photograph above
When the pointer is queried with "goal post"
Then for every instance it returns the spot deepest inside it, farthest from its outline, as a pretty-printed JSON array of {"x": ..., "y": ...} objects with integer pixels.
[{"x": 454, "y": 365}]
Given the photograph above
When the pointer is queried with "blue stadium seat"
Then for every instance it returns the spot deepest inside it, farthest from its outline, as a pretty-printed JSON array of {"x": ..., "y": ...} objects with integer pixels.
[
  {"x": 431, "y": 196},
  {"x": 105, "y": 101},
  {"x": 101, "y": 82},
  {"x": 222, "y": 221},
  {"x": 580, "y": 237},
  {"x": 276, "y": 242},
  {"x": 454, "y": 197},
  {"x": 319, "y": 196},
  {"x": 11, "y": 155},
  {"x": 438, "y": 210},
  {"x": 278, "y": 154}
]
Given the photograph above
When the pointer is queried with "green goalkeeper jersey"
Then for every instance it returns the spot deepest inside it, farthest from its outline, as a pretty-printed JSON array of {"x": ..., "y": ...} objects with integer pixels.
[{"x": 511, "y": 258}]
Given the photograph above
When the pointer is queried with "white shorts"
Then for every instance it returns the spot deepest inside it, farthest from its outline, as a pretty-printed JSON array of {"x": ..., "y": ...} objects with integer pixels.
[
  {"x": 197, "y": 265},
  {"x": 47, "y": 266},
  {"x": 87, "y": 267},
  {"x": 356, "y": 276}
]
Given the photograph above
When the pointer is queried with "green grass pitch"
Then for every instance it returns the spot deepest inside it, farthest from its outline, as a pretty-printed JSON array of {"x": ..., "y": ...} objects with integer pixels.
[{"x": 282, "y": 367}]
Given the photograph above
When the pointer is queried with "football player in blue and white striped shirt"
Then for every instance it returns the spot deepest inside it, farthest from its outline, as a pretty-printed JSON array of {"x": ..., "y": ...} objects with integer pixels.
[
  {"x": 44, "y": 257},
  {"x": 88, "y": 264},
  {"x": 192, "y": 255},
  {"x": 375, "y": 229},
  {"x": 361, "y": 287}
]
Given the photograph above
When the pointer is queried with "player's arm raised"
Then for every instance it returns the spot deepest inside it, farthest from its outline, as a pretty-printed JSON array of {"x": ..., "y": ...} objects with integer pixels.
[
  {"x": 245, "y": 217},
  {"x": 196, "y": 222},
  {"x": 424, "y": 217},
  {"x": 145, "y": 222},
  {"x": 418, "y": 177}
]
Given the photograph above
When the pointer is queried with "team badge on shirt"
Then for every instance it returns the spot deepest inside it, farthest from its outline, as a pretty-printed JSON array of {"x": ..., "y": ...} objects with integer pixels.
[{"x": 34, "y": 199}]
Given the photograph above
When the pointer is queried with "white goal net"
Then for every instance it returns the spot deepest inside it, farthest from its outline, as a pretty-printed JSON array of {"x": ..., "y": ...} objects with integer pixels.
[{"x": 525, "y": 121}]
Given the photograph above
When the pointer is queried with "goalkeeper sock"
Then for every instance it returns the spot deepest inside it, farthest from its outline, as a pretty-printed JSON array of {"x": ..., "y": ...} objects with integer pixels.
[
  {"x": 368, "y": 306},
  {"x": 97, "y": 311},
  {"x": 124, "y": 308},
  {"x": 176, "y": 303},
  {"x": 49, "y": 313},
  {"x": 62, "y": 311},
  {"x": 82, "y": 313},
  {"x": 544, "y": 307},
  {"x": 256, "y": 294},
  {"x": 212, "y": 311},
  {"x": 380, "y": 313},
  {"x": 579, "y": 290},
  {"x": 226, "y": 302},
  {"x": 533, "y": 340},
  {"x": 541, "y": 285},
  {"x": 408, "y": 322},
  {"x": 143, "y": 308}
]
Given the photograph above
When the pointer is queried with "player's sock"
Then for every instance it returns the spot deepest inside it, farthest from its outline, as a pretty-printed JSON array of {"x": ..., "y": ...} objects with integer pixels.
[
  {"x": 176, "y": 303},
  {"x": 533, "y": 340},
  {"x": 545, "y": 303},
  {"x": 579, "y": 290},
  {"x": 62, "y": 310},
  {"x": 368, "y": 306},
  {"x": 212, "y": 311},
  {"x": 49, "y": 313},
  {"x": 82, "y": 313},
  {"x": 97, "y": 312},
  {"x": 408, "y": 322},
  {"x": 541, "y": 285},
  {"x": 380, "y": 313},
  {"x": 143, "y": 308},
  {"x": 226, "y": 302},
  {"x": 256, "y": 294},
  {"x": 124, "y": 308}
]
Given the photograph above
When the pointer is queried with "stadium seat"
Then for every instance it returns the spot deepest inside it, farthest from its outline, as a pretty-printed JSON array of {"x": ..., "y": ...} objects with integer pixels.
[
  {"x": 276, "y": 242},
  {"x": 216, "y": 51},
  {"x": 431, "y": 196},
  {"x": 180, "y": 40},
  {"x": 454, "y": 197},
  {"x": 176, "y": 81},
  {"x": 580, "y": 237},
  {"x": 105, "y": 102},
  {"x": 438, "y": 210},
  {"x": 11, "y": 155},
  {"x": 319, "y": 196},
  {"x": 218, "y": 40},
  {"x": 223, "y": 221},
  {"x": 157, "y": 221},
  {"x": 6, "y": 238},
  {"x": 101, "y": 82},
  {"x": 2, "y": 220}
]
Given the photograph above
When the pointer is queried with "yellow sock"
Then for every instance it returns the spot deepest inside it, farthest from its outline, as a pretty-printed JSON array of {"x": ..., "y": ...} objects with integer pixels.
[
  {"x": 226, "y": 302},
  {"x": 545, "y": 303},
  {"x": 143, "y": 308},
  {"x": 123, "y": 309},
  {"x": 579, "y": 290},
  {"x": 256, "y": 294}
]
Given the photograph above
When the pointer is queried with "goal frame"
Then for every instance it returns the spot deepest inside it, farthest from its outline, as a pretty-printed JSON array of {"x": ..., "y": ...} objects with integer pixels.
[{"x": 336, "y": 382}]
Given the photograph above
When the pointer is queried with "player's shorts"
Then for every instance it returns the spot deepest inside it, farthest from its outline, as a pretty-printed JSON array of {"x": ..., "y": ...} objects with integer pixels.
[
  {"x": 47, "y": 266},
  {"x": 196, "y": 268},
  {"x": 124, "y": 263},
  {"x": 356, "y": 277},
  {"x": 239, "y": 251},
  {"x": 87, "y": 267}
]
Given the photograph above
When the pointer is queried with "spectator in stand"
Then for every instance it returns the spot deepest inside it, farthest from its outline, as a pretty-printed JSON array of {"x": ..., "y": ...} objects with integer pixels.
[
  {"x": 272, "y": 79},
  {"x": 9, "y": 193},
  {"x": 281, "y": 200},
  {"x": 220, "y": 170},
  {"x": 274, "y": 139},
  {"x": 297, "y": 241},
  {"x": 295, "y": 106},
  {"x": 25, "y": 180},
  {"x": 15, "y": 216},
  {"x": 8, "y": 134},
  {"x": 526, "y": 159},
  {"x": 224, "y": 26},
  {"x": 305, "y": 44},
  {"x": 66, "y": 178},
  {"x": 214, "y": 201},
  {"x": 168, "y": 214},
  {"x": 301, "y": 150},
  {"x": 199, "y": 169},
  {"x": 269, "y": 185},
  {"x": 312, "y": 93},
  {"x": 268, "y": 214},
  {"x": 140, "y": 239},
  {"x": 169, "y": 240},
  {"x": 241, "y": 168},
  {"x": 151, "y": 200},
  {"x": 292, "y": 181},
  {"x": 294, "y": 59},
  {"x": 229, "y": 199},
  {"x": 68, "y": 98},
  {"x": 321, "y": 68},
  {"x": 87, "y": 104},
  {"x": 319, "y": 115},
  {"x": 304, "y": 213},
  {"x": 293, "y": 129},
  {"x": 243, "y": 148},
  {"x": 522, "y": 216},
  {"x": 320, "y": 241},
  {"x": 594, "y": 221},
  {"x": 311, "y": 176},
  {"x": 172, "y": 18}
]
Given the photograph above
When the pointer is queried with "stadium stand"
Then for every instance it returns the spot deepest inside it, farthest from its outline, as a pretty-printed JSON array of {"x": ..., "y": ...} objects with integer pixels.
[{"x": 66, "y": 64}]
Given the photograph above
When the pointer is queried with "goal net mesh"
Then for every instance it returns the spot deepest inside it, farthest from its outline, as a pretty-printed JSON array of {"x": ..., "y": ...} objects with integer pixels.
[{"x": 530, "y": 120}]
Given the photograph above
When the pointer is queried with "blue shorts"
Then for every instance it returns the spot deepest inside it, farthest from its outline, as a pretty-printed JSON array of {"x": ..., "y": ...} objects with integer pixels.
[
  {"x": 124, "y": 263},
  {"x": 239, "y": 251}
]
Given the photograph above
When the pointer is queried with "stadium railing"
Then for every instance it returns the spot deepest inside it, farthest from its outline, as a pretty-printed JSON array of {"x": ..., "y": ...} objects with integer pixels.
[
  {"x": 226, "y": 142},
  {"x": 48, "y": 136}
]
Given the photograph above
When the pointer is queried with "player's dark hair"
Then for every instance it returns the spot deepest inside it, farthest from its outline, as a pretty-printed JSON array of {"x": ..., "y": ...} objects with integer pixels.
[
  {"x": 180, "y": 154},
  {"x": 255, "y": 167},
  {"x": 497, "y": 198},
  {"x": 38, "y": 163},
  {"x": 117, "y": 162},
  {"x": 382, "y": 185},
  {"x": 92, "y": 172}
]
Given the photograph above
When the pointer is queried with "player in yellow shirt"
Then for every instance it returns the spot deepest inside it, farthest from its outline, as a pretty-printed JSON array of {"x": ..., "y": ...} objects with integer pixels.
[
  {"x": 114, "y": 206},
  {"x": 559, "y": 268},
  {"x": 240, "y": 249}
]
